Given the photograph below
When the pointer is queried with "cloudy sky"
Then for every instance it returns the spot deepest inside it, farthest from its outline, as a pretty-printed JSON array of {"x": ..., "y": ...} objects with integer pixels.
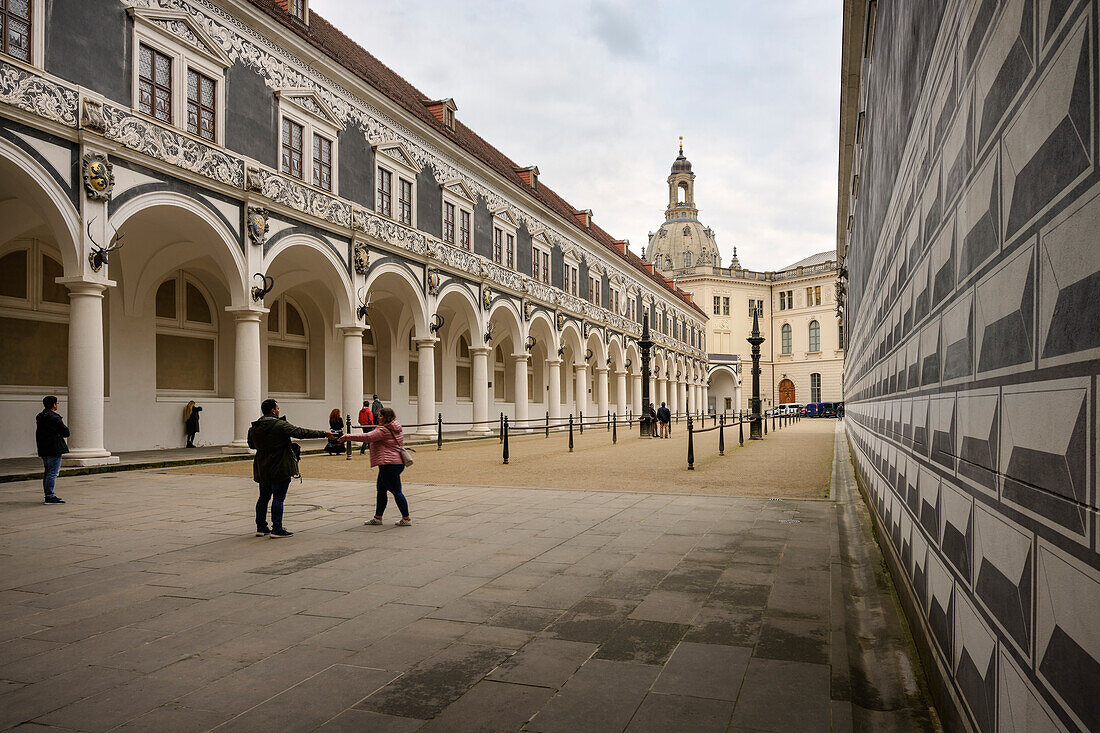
[{"x": 596, "y": 93}]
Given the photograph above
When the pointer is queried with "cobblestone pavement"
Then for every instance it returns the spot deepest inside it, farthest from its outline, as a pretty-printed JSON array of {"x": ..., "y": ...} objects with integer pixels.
[
  {"x": 792, "y": 462},
  {"x": 146, "y": 603}
]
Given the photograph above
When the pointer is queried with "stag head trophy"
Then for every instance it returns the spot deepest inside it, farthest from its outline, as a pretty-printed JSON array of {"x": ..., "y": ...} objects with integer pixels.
[
  {"x": 364, "y": 306},
  {"x": 259, "y": 292},
  {"x": 529, "y": 343},
  {"x": 489, "y": 332},
  {"x": 437, "y": 323},
  {"x": 99, "y": 256}
]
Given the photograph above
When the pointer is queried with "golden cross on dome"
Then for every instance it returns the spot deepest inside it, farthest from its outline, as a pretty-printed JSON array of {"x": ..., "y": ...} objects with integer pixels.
[{"x": 681, "y": 145}]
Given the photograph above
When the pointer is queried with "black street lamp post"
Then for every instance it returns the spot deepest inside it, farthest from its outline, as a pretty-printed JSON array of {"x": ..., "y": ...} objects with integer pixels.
[
  {"x": 645, "y": 344},
  {"x": 756, "y": 424}
]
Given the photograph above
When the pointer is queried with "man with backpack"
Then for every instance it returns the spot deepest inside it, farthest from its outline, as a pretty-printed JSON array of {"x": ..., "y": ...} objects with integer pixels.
[{"x": 276, "y": 462}]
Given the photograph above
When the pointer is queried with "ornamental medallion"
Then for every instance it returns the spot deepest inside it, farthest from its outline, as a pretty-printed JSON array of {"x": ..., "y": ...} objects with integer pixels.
[
  {"x": 361, "y": 259},
  {"x": 256, "y": 223},
  {"x": 99, "y": 177}
]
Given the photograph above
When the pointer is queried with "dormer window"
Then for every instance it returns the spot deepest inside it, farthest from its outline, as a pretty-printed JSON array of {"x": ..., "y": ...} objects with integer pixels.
[
  {"x": 443, "y": 110},
  {"x": 297, "y": 8}
]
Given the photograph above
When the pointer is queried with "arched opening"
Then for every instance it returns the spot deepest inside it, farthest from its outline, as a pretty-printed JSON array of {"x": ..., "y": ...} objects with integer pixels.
[
  {"x": 287, "y": 350},
  {"x": 786, "y": 392},
  {"x": 785, "y": 338},
  {"x": 682, "y": 193},
  {"x": 34, "y": 329},
  {"x": 186, "y": 337},
  {"x": 396, "y": 314},
  {"x": 815, "y": 336}
]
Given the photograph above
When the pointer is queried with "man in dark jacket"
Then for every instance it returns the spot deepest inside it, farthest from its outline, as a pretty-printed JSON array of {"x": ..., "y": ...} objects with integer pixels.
[
  {"x": 50, "y": 436},
  {"x": 275, "y": 463},
  {"x": 664, "y": 417},
  {"x": 376, "y": 408}
]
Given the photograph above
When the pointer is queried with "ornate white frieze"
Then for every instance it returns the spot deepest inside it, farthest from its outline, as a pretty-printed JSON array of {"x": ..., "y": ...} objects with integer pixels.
[
  {"x": 32, "y": 93},
  {"x": 172, "y": 147},
  {"x": 304, "y": 199}
]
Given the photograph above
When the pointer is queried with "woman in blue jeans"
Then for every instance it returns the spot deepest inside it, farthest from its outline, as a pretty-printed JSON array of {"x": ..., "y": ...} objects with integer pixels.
[{"x": 386, "y": 441}]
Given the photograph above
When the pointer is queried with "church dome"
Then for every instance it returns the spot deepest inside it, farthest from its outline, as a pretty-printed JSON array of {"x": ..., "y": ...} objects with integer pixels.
[{"x": 681, "y": 164}]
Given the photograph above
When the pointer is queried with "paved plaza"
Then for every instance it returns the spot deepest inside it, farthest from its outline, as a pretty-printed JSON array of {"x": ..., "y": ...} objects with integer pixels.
[{"x": 145, "y": 603}]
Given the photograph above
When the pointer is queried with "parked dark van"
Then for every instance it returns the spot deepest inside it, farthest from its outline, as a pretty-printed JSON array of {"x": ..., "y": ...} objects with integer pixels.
[{"x": 820, "y": 409}]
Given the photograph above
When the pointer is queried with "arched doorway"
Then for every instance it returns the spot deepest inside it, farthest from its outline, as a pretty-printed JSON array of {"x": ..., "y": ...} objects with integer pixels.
[{"x": 786, "y": 392}]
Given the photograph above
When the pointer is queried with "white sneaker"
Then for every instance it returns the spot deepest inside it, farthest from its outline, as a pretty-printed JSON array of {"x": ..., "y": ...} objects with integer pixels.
[
  {"x": 402, "y": 523},
  {"x": 374, "y": 520}
]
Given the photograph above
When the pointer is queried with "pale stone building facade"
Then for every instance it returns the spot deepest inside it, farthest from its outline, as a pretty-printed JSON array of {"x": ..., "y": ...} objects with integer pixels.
[{"x": 803, "y": 356}]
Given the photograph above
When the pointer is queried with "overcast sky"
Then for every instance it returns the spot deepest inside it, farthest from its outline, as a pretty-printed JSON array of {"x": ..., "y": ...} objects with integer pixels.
[{"x": 596, "y": 93}]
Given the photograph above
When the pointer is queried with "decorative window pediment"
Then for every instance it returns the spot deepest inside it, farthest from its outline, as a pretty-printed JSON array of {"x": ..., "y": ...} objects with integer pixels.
[
  {"x": 397, "y": 155},
  {"x": 455, "y": 187},
  {"x": 503, "y": 216},
  {"x": 311, "y": 103},
  {"x": 540, "y": 239},
  {"x": 180, "y": 25}
]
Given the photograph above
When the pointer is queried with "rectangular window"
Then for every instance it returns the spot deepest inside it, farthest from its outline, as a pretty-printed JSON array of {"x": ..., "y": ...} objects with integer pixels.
[
  {"x": 406, "y": 202},
  {"x": 464, "y": 229},
  {"x": 840, "y": 335},
  {"x": 297, "y": 8},
  {"x": 385, "y": 191},
  {"x": 546, "y": 267},
  {"x": 717, "y": 305},
  {"x": 535, "y": 265},
  {"x": 817, "y": 295},
  {"x": 815, "y": 387},
  {"x": 15, "y": 27},
  {"x": 782, "y": 301},
  {"x": 322, "y": 162},
  {"x": 154, "y": 81},
  {"x": 449, "y": 223},
  {"x": 292, "y": 148},
  {"x": 790, "y": 299},
  {"x": 573, "y": 281},
  {"x": 201, "y": 112},
  {"x": 498, "y": 245},
  {"x": 725, "y": 306},
  {"x": 760, "y": 307},
  {"x": 510, "y": 253}
]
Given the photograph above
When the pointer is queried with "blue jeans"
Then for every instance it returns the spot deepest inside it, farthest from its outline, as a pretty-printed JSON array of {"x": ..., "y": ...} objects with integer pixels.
[
  {"x": 276, "y": 494},
  {"x": 50, "y": 465},
  {"x": 389, "y": 482}
]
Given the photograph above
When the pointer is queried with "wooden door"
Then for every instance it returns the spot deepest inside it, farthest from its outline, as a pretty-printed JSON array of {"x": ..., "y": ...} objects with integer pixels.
[{"x": 786, "y": 391}]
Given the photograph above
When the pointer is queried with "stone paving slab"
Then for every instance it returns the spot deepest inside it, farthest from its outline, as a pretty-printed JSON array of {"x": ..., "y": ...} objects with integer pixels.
[{"x": 145, "y": 603}]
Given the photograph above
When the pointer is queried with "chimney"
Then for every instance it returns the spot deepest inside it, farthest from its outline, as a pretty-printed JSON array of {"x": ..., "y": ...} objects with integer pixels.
[
  {"x": 444, "y": 111},
  {"x": 529, "y": 175},
  {"x": 584, "y": 216},
  {"x": 621, "y": 245}
]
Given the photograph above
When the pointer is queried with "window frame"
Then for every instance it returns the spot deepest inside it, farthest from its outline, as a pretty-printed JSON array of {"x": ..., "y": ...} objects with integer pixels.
[
  {"x": 813, "y": 330},
  {"x": 288, "y": 125},
  {"x": 315, "y": 119},
  {"x": 36, "y": 42},
  {"x": 33, "y": 307},
  {"x": 570, "y": 266},
  {"x": 455, "y": 193},
  {"x": 786, "y": 339},
  {"x": 394, "y": 159},
  {"x": 209, "y": 61},
  {"x": 507, "y": 227},
  {"x": 290, "y": 341},
  {"x": 319, "y": 162},
  {"x": 180, "y": 326},
  {"x": 405, "y": 205},
  {"x": 201, "y": 107},
  {"x": 815, "y": 390}
]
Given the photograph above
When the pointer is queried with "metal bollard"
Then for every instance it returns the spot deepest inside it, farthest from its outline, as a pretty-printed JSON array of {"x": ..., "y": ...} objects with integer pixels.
[
  {"x": 439, "y": 432},
  {"x": 505, "y": 441},
  {"x": 547, "y": 423},
  {"x": 691, "y": 447},
  {"x": 581, "y": 421},
  {"x": 741, "y": 431},
  {"x": 570, "y": 432},
  {"x": 502, "y": 427},
  {"x": 609, "y": 421},
  {"x": 614, "y": 429},
  {"x": 347, "y": 445},
  {"x": 765, "y": 421},
  {"x": 722, "y": 436}
]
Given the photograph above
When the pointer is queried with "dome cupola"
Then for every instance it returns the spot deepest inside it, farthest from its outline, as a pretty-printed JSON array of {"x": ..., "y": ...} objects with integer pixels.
[{"x": 681, "y": 164}]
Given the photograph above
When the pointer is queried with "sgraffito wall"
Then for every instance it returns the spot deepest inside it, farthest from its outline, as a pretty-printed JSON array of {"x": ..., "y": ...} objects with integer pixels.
[{"x": 974, "y": 316}]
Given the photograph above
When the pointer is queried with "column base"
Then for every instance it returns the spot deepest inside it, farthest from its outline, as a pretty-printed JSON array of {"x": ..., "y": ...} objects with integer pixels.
[
  {"x": 237, "y": 449},
  {"x": 70, "y": 460},
  {"x": 480, "y": 431}
]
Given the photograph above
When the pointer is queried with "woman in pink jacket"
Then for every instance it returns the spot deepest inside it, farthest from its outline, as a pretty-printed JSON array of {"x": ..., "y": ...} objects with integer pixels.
[{"x": 385, "y": 443}]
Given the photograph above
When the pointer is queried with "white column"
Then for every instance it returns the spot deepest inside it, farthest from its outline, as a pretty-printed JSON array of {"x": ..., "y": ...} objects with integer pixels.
[
  {"x": 86, "y": 375},
  {"x": 636, "y": 399},
  {"x": 620, "y": 393},
  {"x": 520, "y": 390},
  {"x": 674, "y": 395},
  {"x": 662, "y": 392},
  {"x": 425, "y": 385},
  {"x": 602, "y": 389},
  {"x": 480, "y": 389},
  {"x": 352, "y": 396},
  {"x": 652, "y": 388},
  {"x": 580, "y": 392},
  {"x": 554, "y": 366},
  {"x": 690, "y": 400},
  {"x": 246, "y": 375}
]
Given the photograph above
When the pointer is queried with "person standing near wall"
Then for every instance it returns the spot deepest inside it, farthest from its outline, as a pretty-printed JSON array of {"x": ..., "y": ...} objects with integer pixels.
[
  {"x": 191, "y": 422},
  {"x": 376, "y": 409},
  {"x": 386, "y": 442},
  {"x": 50, "y": 434},
  {"x": 275, "y": 464},
  {"x": 366, "y": 421},
  {"x": 664, "y": 418}
]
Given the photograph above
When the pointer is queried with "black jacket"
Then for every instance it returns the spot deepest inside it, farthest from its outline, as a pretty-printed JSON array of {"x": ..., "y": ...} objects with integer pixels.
[
  {"x": 50, "y": 434},
  {"x": 191, "y": 425},
  {"x": 664, "y": 414},
  {"x": 375, "y": 409},
  {"x": 274, "y": 461}
]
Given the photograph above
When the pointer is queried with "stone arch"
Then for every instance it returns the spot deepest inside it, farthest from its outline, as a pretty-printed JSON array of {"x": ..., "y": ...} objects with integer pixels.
[{"x": 298, "y": 253}]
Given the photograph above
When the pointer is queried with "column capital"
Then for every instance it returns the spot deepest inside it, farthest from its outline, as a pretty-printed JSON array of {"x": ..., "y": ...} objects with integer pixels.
[
  {"x": 621, "y": 372},
  {"x": 481, "y": 350},
  {"x": 524, "y": 357},
  {"x": 600, "y": 370},
  {"x": 554, "y": 362},
  {"x": 425, "y": 342},
  {"x": 246, "y": 312},
  {"x": 351, "y": 329},
  {"x": 80, "y": 285}
]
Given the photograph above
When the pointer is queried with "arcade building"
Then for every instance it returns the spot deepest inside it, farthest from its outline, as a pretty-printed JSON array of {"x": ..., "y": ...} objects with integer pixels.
[{"x": 224, "y": 200}]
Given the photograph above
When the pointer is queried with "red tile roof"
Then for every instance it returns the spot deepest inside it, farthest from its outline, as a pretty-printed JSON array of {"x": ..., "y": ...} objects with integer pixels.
[{"x": 342, "y": 49}]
